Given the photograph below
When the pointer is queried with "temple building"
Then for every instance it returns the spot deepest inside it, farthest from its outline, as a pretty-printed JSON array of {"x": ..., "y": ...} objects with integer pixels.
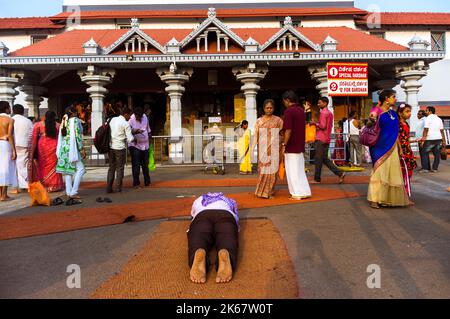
[{"x": 197, "y": 60}]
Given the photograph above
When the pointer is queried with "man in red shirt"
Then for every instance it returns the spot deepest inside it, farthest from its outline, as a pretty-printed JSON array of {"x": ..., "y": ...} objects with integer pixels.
[
  {"x": 293, "y": 147},
  {"x": 323, "y": 138}
]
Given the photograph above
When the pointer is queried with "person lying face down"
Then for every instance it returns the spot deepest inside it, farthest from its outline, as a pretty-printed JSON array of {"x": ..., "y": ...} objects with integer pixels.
[{"x": 215, "y": 223}]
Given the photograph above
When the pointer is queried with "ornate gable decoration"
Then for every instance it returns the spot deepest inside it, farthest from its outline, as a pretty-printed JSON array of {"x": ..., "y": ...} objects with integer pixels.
[
  {"x": 214, "y": 25},
  {"x": 289, "y": 38},
  {"x": 135, "y": 41}
]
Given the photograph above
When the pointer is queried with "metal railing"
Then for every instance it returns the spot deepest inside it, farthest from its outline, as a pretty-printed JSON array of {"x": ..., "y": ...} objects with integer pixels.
[{"x": 217, "y": 149}]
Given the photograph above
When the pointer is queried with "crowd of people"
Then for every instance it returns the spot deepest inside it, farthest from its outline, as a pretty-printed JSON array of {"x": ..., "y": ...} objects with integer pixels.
[{"x": 54, "y": 154}]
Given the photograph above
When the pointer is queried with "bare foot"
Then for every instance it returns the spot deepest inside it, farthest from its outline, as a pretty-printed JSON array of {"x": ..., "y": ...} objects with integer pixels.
[
  {"x": 342, "y": 178},
  {"x": 15, "y": 191},
  {"x": 225, "y": 271},
  {"x": 198, "y": 270}
]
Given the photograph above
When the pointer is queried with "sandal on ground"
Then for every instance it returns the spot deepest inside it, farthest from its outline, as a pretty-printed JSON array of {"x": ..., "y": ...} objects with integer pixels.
[
  {"x": 342, "y": 178},
  {"x": 73, "y": 201},
  {"x": 107, "y": 200},
  {"x": 57, "y": 201},
  {"x": 375, "y": 206},
  {"x": 99, "y": 200}
]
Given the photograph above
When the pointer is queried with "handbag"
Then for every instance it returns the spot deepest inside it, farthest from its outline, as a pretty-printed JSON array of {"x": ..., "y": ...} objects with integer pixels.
[
  {"x": 151, "y": 159},
  {"x": 310, "y": 134},
  {"x": 282, "y": 171},
  {"x": 443, "y": 153},
  {"x": 39, "y": 195},
  {"x": 369, "y": 135}
]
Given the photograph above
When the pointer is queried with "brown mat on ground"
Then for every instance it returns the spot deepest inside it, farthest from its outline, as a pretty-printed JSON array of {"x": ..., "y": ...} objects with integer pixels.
[
  {"x": 41, "y": 223},
  {"x": 224, "y": 182},
  {"x": 160, "y": 270}
]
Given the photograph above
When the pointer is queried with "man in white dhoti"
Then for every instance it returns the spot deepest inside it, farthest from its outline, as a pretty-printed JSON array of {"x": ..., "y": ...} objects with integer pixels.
[
  {"x": 8, "y": 177},
  {"x": 293, "y": 147},
  {"x": 23, "y": 128}
]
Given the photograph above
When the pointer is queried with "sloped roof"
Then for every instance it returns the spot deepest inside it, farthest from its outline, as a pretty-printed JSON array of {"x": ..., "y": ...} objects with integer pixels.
[
  {"x": 222, "y": 13},
  {"x": 70, "y": 43},
  {"x": 28, "y": 23},
  {"x": 410, "y": 18}
]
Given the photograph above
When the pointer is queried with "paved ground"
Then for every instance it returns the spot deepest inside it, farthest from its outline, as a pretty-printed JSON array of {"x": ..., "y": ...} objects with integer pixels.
[{"x": 331, "y": 243}]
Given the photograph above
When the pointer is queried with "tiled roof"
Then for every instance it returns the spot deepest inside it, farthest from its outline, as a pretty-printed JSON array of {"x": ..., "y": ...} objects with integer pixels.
[
  {"x": 28, "y": 23},
  {"x": 70, "y": 43},
  {"x": 441, "y": 110},
  {"x": 221, "y": 13},
  {"x": 411, "y": 18}
]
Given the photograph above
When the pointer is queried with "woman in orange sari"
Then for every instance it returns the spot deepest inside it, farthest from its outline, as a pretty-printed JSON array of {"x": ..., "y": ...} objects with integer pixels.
[
  {"x": 42, "y": 152},
  {"x": 267, "y": 137}
]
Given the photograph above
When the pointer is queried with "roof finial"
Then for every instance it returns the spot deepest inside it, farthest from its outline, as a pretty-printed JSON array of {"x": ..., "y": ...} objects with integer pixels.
[
  {"x": 212, "y": 13},
  {"x": 288, "y": 21},
  {"x": 135, "y": 23}
]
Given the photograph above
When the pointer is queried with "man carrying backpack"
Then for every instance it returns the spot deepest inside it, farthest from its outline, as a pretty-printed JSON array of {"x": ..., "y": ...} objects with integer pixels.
[{"x": 120, "y": 131}]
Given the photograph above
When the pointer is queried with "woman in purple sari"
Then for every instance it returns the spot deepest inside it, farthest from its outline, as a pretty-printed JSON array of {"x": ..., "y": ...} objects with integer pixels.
[{"x": 386, "y": 187}]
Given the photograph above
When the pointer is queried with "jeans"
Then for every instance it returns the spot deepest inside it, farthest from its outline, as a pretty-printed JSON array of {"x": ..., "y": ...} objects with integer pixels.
[
  {"x": 72, "y": 185},
  {"x": 140, "y": 159},
  {"x": 430, "y": 146},
  {"x": 322, "y": 158},
  {"x": 116, "y": 164}
]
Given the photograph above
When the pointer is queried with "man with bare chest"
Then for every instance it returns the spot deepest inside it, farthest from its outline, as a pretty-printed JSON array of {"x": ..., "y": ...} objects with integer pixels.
[{"x": 8, "y": 175}]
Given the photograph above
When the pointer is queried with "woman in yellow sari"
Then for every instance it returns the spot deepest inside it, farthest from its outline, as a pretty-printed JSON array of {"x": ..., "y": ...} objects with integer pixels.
[
  {"x": 245, "y": 167},
  {"x": 387, "y": 185},
  {"x": 267, "y": 137}
]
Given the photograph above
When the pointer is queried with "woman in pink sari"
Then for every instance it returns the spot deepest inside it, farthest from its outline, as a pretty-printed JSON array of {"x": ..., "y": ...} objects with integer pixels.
[
  {"x": 267, "y": 137},
  {"x": 42, "y": 152}
]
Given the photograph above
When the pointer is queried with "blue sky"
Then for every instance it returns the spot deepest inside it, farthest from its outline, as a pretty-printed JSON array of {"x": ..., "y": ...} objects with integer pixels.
[{"x": 29, "y": 8}]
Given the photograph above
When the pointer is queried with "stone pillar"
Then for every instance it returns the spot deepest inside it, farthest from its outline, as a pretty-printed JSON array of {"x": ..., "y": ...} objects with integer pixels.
[
  {"x": 34, "y": 97},
  {"x": 175, "y": 79},
  {"x": 411, "y": 74},
  {"x": 9, "y": 81},
  {"x": 96, "y": 79},
  {"x": 250, "y": 76},
  {"x": 319, "y": 73}
]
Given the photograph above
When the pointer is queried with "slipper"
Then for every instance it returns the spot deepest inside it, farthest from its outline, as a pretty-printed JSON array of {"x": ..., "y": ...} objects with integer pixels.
[
  {"x": 57, "y": 201},
  {"x": 107, "y": 200},
  {"x": 342, "y": 178},
  {"x": 99, "y": 200},
  {"x": 73, "y": 201}
]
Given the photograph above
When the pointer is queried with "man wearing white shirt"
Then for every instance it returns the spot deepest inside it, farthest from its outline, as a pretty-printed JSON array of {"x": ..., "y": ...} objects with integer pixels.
[
  {"x": 22, "y": 131},
  {"x": 120, "y": 135},
  {"x": 433, "y": 136}
]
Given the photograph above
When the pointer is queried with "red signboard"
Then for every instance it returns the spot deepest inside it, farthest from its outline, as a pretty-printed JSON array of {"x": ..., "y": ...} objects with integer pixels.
[{"x": 348, "y": 79}]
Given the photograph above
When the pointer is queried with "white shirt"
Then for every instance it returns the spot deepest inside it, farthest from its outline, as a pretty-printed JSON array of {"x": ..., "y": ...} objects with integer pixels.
[
  {"x": 120, "y": 133},
  {"x": 420, "y": 127},
  {"x": 353, "y": 129},
  {"x": 23, "y": 128},
  {"x": 434, "y": 125},
  {"x": 197, "y": 207}
]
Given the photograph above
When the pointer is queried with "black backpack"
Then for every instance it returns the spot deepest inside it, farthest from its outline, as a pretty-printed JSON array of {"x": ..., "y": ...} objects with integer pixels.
[{"x": 102, "y": 138}]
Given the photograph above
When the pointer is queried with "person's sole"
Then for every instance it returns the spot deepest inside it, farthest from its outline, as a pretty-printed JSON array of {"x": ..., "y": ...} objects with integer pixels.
[
  {"x": 225, "y": 271},
  {"x": 198, "y": 269}
]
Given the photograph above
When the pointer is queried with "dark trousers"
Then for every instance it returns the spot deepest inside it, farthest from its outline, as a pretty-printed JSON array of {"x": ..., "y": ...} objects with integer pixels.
[
  {"x": 430, "y": 146},
  {"x": 321, "y": 159},
  {"x": 116, "y": 165},
  {"x": 213, "y": 228},
  {"x": 139, "y": 159}
]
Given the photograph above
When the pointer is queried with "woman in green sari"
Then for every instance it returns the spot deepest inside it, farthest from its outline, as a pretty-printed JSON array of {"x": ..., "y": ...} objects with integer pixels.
[{"x": 70, "y": 154}]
